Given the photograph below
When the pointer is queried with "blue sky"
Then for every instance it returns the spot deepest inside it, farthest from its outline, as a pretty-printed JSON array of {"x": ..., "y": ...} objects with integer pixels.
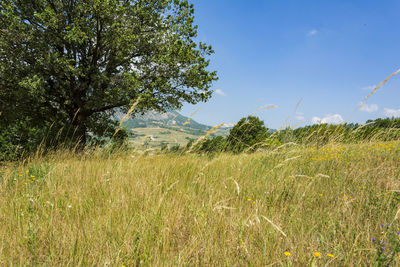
[{"x": 277, "y": 52}]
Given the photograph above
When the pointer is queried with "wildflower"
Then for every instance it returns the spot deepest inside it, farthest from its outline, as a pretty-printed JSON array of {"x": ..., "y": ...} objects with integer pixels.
[
  {"x": 317, "y": 254},
  {"x": 27, "y": 171},
  {"x": 331, "y": 255},
  {"x": 249, "y": 199},
  {"x": 287, "y": 253},
  {"x": 373, "y": 239},
  {"x": 32, "y": 176}
]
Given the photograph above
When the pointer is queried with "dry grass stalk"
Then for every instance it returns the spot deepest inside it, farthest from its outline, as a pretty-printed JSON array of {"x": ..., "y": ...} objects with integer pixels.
[
  {"x": 274, "y": 225},
  {"x": 126, "y": 116},
  {"x": 190, "y": 117},
  {"x": 202, "y": 138},
  {"x": 382, "y": 83}
]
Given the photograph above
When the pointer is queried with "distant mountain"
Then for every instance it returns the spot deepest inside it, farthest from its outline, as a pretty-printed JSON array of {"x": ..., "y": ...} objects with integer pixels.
[{"x": 170, "y": 120}]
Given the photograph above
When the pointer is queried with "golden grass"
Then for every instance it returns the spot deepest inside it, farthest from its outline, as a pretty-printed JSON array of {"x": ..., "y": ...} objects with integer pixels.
[
  {"x": 296, "y": 205},
  {"x": 333, "y": 205}
]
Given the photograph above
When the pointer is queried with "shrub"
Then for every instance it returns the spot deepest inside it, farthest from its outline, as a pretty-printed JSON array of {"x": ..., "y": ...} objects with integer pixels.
[
  {"x": 215, "y": 144},
  {"x": 247, "y": 135},
  {"x": 120, "y": 140}
]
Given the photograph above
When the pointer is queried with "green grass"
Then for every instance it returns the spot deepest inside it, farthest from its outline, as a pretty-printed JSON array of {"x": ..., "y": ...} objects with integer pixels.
[{"x": 247, "y": 209}]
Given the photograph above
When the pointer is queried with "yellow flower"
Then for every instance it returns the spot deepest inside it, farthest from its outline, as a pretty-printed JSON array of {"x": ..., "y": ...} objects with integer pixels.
[
  {"x": 249, "y": 199},
  {"x": 32, "y": 176},
  {"x": 331, "y": 255},
  {"x": 287, "y": 253},
  {"x": 317, "y": 254},
  {"x": 27, "y": 171}
]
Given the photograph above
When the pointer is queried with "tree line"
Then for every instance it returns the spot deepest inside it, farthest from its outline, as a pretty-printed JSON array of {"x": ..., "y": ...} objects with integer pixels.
[{"x": 250, "y": 134}]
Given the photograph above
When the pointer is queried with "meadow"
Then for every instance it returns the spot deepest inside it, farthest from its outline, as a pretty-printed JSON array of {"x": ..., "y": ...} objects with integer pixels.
[
  {"x": 153, "y": 137},
  {"x": 332, "y": 205}
]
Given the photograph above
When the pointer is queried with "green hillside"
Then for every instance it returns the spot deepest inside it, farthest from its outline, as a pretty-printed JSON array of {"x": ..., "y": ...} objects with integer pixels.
[{"x": 154, "y": 129}]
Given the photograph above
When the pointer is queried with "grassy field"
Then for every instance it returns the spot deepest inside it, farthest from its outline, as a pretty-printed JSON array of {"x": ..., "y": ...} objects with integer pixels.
[
  {"x": 335, "y": 205},
  {"x": 152, "y": 137},
  {"x": 155, "y": 137}
]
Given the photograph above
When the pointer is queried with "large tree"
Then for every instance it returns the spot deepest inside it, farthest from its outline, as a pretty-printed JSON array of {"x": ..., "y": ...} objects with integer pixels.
[{"x": 78, "y": 62}]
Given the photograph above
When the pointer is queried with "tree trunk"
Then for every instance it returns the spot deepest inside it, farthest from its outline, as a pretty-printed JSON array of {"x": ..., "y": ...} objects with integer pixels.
[{"x": 80, "y": 131}]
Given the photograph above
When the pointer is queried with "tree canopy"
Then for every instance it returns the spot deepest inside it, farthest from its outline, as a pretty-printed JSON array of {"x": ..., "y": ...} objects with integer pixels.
[{"x": 73, "y": 62}]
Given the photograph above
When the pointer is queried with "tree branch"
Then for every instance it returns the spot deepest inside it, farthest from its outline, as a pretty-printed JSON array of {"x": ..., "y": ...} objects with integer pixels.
[{"x": 108, "y": 107}]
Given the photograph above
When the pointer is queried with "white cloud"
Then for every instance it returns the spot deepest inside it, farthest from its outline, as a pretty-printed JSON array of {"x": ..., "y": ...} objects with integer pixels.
[
  {"x": 392, "y": 112},
  {"x": 330, "y": 119},
  {"x": 220, "y": 92},
  {"x": 312, "y": 32},
  {"x": 300, "y": 118},
  {"x": 368, "y": 108}
]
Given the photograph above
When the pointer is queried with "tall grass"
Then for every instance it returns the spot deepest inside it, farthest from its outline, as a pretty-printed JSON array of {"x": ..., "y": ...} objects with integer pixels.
[
  {"x": 247, "y": 209},
  {"x": 317, "y": 202}
]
